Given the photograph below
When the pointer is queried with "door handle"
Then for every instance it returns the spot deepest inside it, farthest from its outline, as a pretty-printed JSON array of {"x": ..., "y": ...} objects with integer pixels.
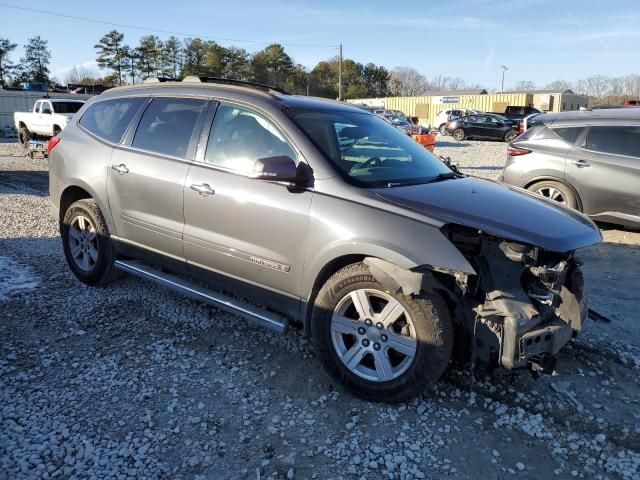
[
  {"x": 121, "y": 169},
  {"x": 581, "y": 164},
  {"x": 203, "y": 189}
]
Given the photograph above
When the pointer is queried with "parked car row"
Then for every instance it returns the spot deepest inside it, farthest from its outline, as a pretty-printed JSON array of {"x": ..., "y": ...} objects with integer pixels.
[{"x": 589, "y": 161}]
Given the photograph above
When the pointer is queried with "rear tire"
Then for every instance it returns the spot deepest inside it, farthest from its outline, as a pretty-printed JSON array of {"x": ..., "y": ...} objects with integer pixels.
[
  {"x": 443, "y": 129},
  {"x": 56, "y": 130},
  {"x": 556, "y": 191},
  {"x": 87, "y": 245},
  {"x": 420, "y": 328},
  {"x": 24, "y": 136},
  {"x": 510, "y": 135},
  {"x": 459, "y": 134}
]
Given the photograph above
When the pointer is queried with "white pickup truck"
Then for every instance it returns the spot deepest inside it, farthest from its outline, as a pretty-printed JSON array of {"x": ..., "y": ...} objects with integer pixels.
[{"x": 48, "y": 118}]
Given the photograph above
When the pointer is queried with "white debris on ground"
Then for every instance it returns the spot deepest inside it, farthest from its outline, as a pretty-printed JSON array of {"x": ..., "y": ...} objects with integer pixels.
[
  {"x": 133, "y": 381},
  {"x": 15, "y": 278}
]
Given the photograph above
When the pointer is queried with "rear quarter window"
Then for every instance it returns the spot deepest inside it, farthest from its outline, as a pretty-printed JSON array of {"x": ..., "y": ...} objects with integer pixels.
[
  {"x": 109, "y": 119},
  {"x": 568, "y": 134}
]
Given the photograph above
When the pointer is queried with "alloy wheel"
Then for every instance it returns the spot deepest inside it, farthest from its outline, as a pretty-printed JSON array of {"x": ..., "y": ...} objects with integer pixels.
[
  {"x": 83, "y": 243},
  {"x": 373, "y": 335},
  {"x": 552, "y": 194}
]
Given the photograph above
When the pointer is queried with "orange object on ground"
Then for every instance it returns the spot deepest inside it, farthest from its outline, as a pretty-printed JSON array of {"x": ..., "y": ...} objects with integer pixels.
[{"x": 428, "y": 140}]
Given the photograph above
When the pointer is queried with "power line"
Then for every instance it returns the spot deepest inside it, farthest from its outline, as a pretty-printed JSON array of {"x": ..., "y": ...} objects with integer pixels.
[{"x": 168, "y": 32}]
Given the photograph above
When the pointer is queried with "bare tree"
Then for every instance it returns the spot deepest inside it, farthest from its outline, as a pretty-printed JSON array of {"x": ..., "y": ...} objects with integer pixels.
[
  {"x": 524, "y": 86},
  {"x": 82, "y": 75},
  {"x": 558, "y": 85},
  {"x": 407, "y": 82}
]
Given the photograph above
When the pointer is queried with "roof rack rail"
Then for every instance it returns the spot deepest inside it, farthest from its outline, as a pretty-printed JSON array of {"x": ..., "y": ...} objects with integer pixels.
[
  {"x": 231, "y": 81},
  {"x": 159, "y": 80}
]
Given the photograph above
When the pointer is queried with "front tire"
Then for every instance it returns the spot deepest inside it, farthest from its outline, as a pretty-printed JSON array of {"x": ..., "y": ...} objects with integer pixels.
[
  {"x": 458, "y": 134},
  {"x": 87, "y": 245},
  {"x": 443, "y": 129},
  {"x": 555, "y": 191},
  {"x": 24, "y": 136},
  {"x": 380, "y": 345}
]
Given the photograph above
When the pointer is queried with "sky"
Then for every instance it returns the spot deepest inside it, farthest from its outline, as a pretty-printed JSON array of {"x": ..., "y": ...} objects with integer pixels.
[{"x": 538, "y": 40}]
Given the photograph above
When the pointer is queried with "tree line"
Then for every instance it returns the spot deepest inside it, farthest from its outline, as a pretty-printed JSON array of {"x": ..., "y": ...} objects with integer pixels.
[{"x": 176, "y": 58}]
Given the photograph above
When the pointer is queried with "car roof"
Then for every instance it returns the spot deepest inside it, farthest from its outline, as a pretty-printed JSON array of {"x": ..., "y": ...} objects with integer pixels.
[
  {"x": 613, "y": 116},
  {"x": 77, "y": 100},
  {"x": 247, "y": 93}
]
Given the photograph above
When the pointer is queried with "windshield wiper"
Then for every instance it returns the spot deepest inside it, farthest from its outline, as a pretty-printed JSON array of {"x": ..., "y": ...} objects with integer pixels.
[
  {"x": 437, "y": 178},
  {"x": 444, "y": 176}
]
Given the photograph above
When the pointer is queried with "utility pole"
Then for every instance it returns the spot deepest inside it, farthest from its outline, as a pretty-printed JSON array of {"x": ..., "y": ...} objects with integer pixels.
[
  {"x": 504, "y": 69},
  {"x": 340, "y": 72}
]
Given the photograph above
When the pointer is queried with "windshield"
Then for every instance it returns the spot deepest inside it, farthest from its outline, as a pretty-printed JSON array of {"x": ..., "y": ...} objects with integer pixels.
[
  {"x": 67, "y": 107},
  {"x": 367, "y": 150}
]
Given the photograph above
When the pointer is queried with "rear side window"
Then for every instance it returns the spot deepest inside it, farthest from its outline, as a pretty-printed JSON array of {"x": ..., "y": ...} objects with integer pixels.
[
  {"x": 568, "y": 134},
  {"x": 109, "y": 119},
  {"x": 167, "y": 125},
  {"x": 623, "y": 140}
]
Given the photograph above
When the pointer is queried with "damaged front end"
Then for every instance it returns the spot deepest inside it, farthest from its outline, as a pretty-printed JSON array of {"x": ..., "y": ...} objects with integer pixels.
[{"x": 523, "y": 305}]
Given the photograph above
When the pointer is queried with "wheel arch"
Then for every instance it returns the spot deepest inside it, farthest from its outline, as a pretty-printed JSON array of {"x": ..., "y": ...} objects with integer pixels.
[
  {"x": 78, "y": 191},
  {"x": 551, "y": 178}
]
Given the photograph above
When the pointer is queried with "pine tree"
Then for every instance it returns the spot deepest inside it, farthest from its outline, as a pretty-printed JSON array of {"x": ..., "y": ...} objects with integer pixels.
[
  {"x": 34, "y": 66},
  {"x": 172, "y": 57},
  {"x": 110, "y": 53},
  {"x": 6, "y": 65}
]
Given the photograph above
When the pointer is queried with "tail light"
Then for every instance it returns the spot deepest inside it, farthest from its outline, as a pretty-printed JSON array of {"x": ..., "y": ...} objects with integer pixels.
[
  {"x": 53, "y": 141},
  {"x": 514, "y": 151}
]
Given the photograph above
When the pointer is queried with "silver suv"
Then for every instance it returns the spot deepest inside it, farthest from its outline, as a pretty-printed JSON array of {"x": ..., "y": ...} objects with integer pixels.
[
  {"x": 290, "y": 210},
  {"x": 589, "y": 161}
]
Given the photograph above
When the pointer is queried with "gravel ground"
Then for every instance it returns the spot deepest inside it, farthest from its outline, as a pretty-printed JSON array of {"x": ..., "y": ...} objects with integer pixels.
[{"x": 133, "y": 381}]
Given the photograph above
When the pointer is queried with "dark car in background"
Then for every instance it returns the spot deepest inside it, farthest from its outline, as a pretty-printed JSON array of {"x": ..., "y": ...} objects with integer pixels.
[
  {"x": 513, "y": 112},
  {"x": 483, "y": 126},
  {"x": 589, "y": 161}
]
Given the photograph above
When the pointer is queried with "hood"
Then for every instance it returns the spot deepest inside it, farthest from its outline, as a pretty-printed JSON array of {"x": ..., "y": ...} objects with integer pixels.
[{"x": 500, "y": 210}]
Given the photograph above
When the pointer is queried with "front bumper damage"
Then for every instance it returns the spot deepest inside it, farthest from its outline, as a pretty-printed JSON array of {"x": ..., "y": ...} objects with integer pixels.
[
  {"x": 518, "y": 310},
  {"x": 531, "y": 304},
  {"x": 523, "y": 305}
]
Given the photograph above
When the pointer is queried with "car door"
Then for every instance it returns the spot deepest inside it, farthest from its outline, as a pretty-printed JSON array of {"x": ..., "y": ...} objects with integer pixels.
[
  {"x": 147, "y": 172},
  {"x": 477, "y": 126},
  {"x": 242, "y": 233},
  {"x": 604, "y": 168},
  {"x": 45, "y": 125},
  {"x": 36, "y": 119}
]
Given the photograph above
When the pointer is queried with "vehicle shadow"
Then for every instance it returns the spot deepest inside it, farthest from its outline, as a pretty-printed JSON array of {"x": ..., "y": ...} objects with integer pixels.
[
  {"x": 30, "y": 182},
  {"x": 446, "y": 144},
  {"x": 481, "y": 168}
]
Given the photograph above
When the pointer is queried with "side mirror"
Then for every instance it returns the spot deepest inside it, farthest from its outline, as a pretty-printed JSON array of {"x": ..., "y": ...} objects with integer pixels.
[
  {"x": 46, "y": 111},
  {"x": 279, "y": 169}
]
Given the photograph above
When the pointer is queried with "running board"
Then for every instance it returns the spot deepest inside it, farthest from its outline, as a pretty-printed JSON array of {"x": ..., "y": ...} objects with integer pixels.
[{"x": 256, "y": 315}]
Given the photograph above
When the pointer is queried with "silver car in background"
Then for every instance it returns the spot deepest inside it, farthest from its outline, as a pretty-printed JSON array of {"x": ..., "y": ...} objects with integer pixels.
[{"x": 589, "y": 161}]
